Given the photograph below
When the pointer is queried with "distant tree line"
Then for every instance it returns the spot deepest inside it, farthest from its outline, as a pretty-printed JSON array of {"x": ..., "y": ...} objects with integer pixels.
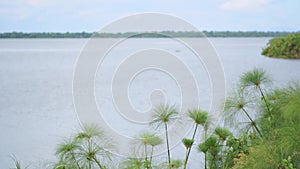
[
  {"x": 45, "y": 35},
  {"x": 162, "y": 34}
]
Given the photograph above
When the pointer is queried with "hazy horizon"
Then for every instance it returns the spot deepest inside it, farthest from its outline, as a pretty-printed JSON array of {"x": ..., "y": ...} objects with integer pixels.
[
  {"x": 154, "y": 31},
  {"x": 92, "y": 15}
]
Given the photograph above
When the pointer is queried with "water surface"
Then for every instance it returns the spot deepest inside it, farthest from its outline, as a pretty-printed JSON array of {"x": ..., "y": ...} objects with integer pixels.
[{"x": 36, "y": 101}]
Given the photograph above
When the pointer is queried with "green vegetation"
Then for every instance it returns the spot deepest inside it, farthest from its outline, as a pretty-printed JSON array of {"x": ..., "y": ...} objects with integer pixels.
[
  {"x": 17, "y": 163},
  {"x": 284, "y": 47},
  {"x": 161, "y": 118},
  {"x": 277, "y": 121},
  {"x": 45, "y": 35},
  {"x": 82, "y": 152},
  {"x": 280, "y": 145},
  {"x": 145, "y": 140},
  {"x": 162, "y": 34},
  {"x": 266, "y": 134},
  {"x": 199, "y": 117}
]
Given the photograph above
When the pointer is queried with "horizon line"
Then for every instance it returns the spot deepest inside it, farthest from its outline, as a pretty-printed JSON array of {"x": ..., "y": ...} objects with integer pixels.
[{"x": 265, "y": 31}]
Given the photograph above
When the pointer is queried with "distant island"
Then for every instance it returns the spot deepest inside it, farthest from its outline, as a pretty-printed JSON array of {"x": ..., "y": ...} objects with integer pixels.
[
  {"x": 284, "y": 47},
  {"x": 162, "y": 34}
]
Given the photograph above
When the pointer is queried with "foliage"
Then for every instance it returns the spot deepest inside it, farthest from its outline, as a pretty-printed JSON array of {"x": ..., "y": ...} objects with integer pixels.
[
  {"x": 257, "y": 79},
  {"x": 176, "y": 164},
  {"x": 17, "y": 163},
  {"x": 146, "y": 140},
  {"x": 164, "y": 115},
  {"x": 222, "y": 133},
  {"x": 149, "y": 139},
  {"x": 212, "y": 147},
  {"x": 287, "y": 163},
  {"x": 236, "y": 110},
  {"x": 87, "y": 149},
  {"x": 254, "y": 78},
  {"x": 278, "y": 123},
  {"x": 281, "y": 134},
  {"x": 187, "y": 143},
  {"x": 284, "y": 47},
  {"x": 198, "y": 116},
  {"x": 133, "y": 163},
  {"x": 237, "y": 149}
]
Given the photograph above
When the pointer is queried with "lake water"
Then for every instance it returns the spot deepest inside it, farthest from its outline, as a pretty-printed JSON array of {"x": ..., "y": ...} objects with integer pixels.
[{"x": 36, "y": 103}]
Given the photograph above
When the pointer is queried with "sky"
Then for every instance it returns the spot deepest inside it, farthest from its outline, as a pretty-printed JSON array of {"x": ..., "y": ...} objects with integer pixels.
[{"x": 91, "y": 15}]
